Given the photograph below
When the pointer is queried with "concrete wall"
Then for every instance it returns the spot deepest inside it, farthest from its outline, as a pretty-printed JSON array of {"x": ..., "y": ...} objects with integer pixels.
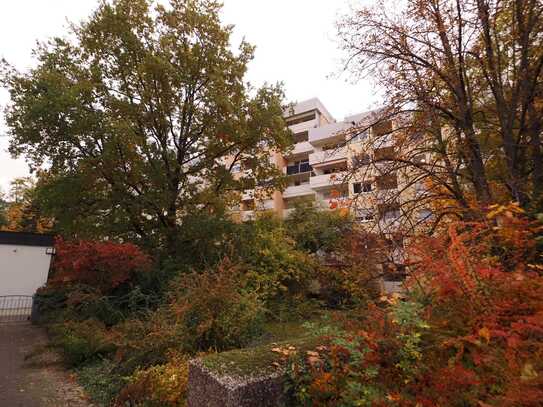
[{"x": 23, "y": 269}]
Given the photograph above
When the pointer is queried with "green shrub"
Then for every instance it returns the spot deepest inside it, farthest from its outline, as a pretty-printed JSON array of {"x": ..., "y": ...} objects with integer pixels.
[
  {"x": 81, "y": 342},
  {"x": 215, "y": 310}
]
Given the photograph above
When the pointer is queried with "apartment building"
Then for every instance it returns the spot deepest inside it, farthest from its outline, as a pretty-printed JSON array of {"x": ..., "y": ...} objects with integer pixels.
[{"x": 320, "y": 168}]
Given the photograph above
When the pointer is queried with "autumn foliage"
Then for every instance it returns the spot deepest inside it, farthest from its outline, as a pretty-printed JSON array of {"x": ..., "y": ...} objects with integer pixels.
[
  {"x": 468, "y": 332},
  {"x": 101, "y": 265}
]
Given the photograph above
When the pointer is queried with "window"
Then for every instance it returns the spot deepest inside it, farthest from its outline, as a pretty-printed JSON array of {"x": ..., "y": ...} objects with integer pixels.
[
  {"x": 424, "y": 215},
  {"x": 299, "y": 167},
  {"x": 236, "y": 168},
  {"x": 303, "y": 119},
  {"x": 361, "y": 159},
  {"x": 360, "y": 187},
  {"x": 391, "y": 215},
  {"x": 360, "y": 137},
  {"x": 301, "y": 137},
  {"x": 390, "y": 211},
  {"x": 382, "y": 128},
  {"x": 364, "y": 215},
  {"x": 385, "y": 182},
  {"x": 384, "y": 153}
]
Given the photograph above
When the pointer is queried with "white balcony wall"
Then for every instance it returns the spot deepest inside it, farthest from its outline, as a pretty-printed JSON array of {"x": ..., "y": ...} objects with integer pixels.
[
  {"x": 322, "y": 157},
  {"x": 248, "y": 195},
  {"x": 305, "y": 126},
  {"x": 327, "y": 133},
  {"x": 327, "y": 180},
  {"x": 297, "y": 191},
  {"x": 268, "y": 204},
  {"x": 247, "y": 215},
  {"x": 301, "y": 148}
]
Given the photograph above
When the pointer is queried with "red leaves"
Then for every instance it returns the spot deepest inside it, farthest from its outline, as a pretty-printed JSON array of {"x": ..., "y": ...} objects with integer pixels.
[{"x": 103, "y": 265}]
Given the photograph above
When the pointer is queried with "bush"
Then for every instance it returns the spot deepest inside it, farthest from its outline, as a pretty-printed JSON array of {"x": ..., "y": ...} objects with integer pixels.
[
  {"x": 157, "y": 386},
  {"x": 275, "y": 269},
  {"x": 81, "y": 342},
  {"x": 215, "y": 309},
  {"x": 102, "y": 265},
  {"x": 100, "y": 380},
  {"x": 469, "y": 331}
]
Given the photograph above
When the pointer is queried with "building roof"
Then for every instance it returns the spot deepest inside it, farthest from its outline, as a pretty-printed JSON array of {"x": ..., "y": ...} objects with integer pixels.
[
  {"x": 26, "y": 239},
  {"x": 309, "y": 105}
]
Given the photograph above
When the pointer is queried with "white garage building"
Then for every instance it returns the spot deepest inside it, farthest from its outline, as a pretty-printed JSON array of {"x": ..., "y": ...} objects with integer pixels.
[{"x": 25, "y": 259}]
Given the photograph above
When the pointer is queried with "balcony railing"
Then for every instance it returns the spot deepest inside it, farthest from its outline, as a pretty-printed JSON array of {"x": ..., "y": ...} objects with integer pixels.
[
  {"x": 321, "y": 157},
  {"x": 294, "y": 191},
  {"x": 298, "y": 169},
  {"x": 326, "y": 180},
  {"x": 303, "y": 147}
]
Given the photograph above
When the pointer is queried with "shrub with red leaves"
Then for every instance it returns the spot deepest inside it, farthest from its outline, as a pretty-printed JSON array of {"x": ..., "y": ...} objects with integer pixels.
[
  {"x": 102, "y": 265},
  {"x": 468, "y": 332}
]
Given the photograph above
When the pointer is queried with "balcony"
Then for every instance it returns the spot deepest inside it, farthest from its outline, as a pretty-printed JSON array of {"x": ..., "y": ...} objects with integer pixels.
[
  {"x": 247, "y": 215},
  {"x": 327, "y": 180},
  {"x": 304, "y": 126},
  {"x": 298, "y": 168},
  {"x": 266, "y": 205},
  {"x": 328, "y": 156},
  {"x": 296, "y": 191},
  {"x": 329, "y": 133},
  {"x": 248, "y": 195},
  {"x": 303, "y": 147}
]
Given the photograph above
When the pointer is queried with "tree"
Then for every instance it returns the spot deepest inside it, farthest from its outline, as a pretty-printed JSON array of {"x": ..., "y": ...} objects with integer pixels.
[
  {"x": 23, "y": 212},
  {"x": 142, "y": 116},
  {"x": 462, "y": 80},
  {"x": 314, "y": 230},
  {"x": 3, "y": 210}
]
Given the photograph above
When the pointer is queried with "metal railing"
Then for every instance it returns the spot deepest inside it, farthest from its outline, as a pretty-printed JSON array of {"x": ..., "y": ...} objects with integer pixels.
[{"x": 15, "y": 308}]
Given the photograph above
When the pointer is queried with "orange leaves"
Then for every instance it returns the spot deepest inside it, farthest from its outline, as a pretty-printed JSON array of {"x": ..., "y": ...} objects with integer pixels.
[
  {"x": 482, "y": 309},
  {"x": 485, "y": 333}
]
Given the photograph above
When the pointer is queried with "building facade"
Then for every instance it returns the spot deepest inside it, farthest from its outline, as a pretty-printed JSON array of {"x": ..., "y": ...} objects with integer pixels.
[{"x": 327, "y": 165}]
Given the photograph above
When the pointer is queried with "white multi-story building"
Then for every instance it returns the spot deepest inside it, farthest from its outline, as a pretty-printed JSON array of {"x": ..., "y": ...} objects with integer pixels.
[{"x": 320, "y": 167}]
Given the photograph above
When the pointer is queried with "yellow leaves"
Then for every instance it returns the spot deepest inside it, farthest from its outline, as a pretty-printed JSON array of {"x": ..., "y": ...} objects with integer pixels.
[
  {"x": 528, "y": 372},
  {"x": 504, "y": 210},
  {"x": 485, "y": 333}
]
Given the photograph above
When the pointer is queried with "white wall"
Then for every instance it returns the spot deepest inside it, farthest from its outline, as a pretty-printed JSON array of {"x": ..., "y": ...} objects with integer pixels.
[{"x": 23, "y": 269}]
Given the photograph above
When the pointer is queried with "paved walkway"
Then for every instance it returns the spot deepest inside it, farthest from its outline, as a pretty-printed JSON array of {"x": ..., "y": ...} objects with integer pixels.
[{"x": 38, "y": 381}]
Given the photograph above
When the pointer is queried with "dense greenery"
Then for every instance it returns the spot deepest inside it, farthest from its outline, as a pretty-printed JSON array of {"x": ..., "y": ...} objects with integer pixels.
[
  {"x": 111, "y": 308},
  {"x": 140, "y": 115}
]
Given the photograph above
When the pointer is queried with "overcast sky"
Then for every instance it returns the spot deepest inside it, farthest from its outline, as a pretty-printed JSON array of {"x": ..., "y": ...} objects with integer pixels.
[{"x": 295, "y": 42}]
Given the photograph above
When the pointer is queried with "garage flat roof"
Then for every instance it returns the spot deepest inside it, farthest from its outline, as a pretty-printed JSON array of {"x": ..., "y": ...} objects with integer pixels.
[{"x": 26, "y": 239}]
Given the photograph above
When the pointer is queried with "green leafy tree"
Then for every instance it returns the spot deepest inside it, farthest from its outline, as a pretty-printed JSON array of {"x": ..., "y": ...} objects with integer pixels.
[
  {"x": 313, "y": 229},
  {"x": 142, "y": 114}
]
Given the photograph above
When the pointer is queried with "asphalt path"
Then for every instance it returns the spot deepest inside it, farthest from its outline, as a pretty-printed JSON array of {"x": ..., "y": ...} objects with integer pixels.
[{"x": 31, "y": 376}]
